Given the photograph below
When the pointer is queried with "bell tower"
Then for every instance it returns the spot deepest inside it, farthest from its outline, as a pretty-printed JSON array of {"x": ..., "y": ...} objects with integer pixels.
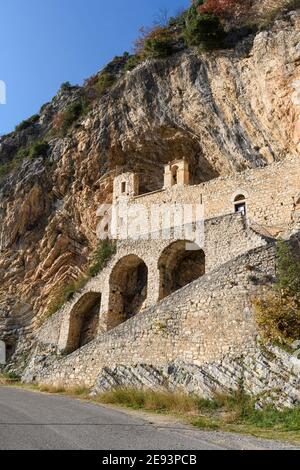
[{"x": 176, "y": 174}]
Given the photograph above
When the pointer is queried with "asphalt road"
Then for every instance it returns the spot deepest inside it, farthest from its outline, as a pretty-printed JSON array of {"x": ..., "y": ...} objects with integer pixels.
[{"x": 37, "y": 421}]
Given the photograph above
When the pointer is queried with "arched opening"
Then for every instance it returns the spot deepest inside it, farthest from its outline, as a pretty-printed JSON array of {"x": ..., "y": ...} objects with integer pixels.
[
  {"x": 174, "y": 175},
  {"x": 240, "y": 204},
  {"x": 84, "y": 320},
  {"x": 2, "y": 353},
  {"x": 8, "y": 348},
  {"x": 128, "y": 290},
  {"x": 123, "y": 187},
  {"x": 180, "y": 264},
  {"x": 11, "y": 347}
]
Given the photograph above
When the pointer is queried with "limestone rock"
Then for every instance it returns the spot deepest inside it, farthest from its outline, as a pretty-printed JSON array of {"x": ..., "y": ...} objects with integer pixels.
[
  {"x": 261, "y": 372},
  {"x": 225, "y": 112}
]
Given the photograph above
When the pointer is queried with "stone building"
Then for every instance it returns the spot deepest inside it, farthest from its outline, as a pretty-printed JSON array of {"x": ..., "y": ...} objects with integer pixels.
[{"x": 167, "y": 297}]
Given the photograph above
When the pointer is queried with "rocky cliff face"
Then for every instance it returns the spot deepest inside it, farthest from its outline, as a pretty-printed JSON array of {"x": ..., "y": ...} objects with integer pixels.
[{"x": 224, "y": 111}]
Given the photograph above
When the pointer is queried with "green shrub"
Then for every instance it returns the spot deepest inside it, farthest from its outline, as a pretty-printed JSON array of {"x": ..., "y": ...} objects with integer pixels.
[
  {"x": 63, "y": 121},
  {"x": 104, "y": 83},
  {"x": 178, "y": 21},
  {"x": 4, "y": 170},
  {"x": 286, "y": 420},
  {"x": 159, "y": 43},
  {"x": 204, "y": 30},
  {"x": 278, "y": 311},
  {"x": 155, "y": 42},
  {"x": 66, "y": 86},
  {"x": 105, "y": 250},
  {"x": 102, "y": 255},
  {"x": 22, "y": 153},
  {"x": 36, "y": 150},
  {"x": 63, "y": 295},
  {"x": 72, "y": 114},
  {"x": 278, "y": 317},
  {"x": 288, "y": 270},
  {"x": 27, "y": 123},
  {"x": 9, "y": 378},
  {"x": 132, "y": 62}
]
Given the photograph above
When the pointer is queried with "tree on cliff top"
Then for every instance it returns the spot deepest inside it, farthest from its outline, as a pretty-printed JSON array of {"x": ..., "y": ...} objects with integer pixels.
[
  {"x": 225, "y": 8},
  {"x": 203, "y": 29}
]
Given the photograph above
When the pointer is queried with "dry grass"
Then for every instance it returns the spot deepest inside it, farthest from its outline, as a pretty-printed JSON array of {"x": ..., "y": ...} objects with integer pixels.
[
  {"x": 4, "y": 381},
  {"x": 8, "y": 379},
  {"x": 158, "y": 401},
  {"x": 61, "y": 390},
  {"x": 229, "y": 413}
]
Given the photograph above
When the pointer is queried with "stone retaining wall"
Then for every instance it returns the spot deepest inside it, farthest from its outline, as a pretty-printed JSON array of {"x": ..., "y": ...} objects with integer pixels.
[
  {"x": 200, "y": 323},
  {"x": 271, "y": 194},
  {"x": 225, "y": 238},
  {"x": 267, "y": 373}
]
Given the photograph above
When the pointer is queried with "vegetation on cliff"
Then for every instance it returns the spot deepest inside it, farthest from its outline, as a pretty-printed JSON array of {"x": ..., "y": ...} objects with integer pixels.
[
  {"x": 100, "y": 258},
  {"x": 278, "y": 310},
  {"x": 52, "y": 166},
  {"x": 206, "y": 24}
]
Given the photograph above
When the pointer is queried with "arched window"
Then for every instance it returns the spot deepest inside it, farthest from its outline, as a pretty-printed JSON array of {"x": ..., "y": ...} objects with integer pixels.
[
  {"x": 128, "y": 290},
  {"x": 240, "y": 204},
  {"x": 180, "y": 265}
]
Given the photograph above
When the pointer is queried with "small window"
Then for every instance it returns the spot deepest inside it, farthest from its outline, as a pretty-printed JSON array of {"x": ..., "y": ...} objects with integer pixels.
[
  {"x": 240, "y": 204},
  {"x": 241, "y": 208},
  {"x": 123, "y": 187},
  {"x": 174, "y": 175}
]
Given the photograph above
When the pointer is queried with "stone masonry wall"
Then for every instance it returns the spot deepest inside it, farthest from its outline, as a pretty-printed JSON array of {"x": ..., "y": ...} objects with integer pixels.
[
  {"x": 225, "y": 238},
  {"x": 271, "y": 194},
  {"x": 200, "y": 323},
  {"x": 265, "y": 372}
]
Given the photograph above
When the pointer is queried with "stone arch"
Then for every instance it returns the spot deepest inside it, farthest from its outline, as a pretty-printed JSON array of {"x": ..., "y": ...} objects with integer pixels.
[
  {"x": 128, "y": 290},
  {"x": 240, "y": 204},
  {"x": 83, "y": 322},
  {"x": 180, "y": 263},
  {"x": 239, "y": 192},
  {"x": 10, "y": 347},
  {"x": 2, "y": 353}
]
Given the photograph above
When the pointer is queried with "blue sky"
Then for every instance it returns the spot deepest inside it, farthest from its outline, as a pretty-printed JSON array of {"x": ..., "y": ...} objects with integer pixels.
[{"x": 44, "y": 43}]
